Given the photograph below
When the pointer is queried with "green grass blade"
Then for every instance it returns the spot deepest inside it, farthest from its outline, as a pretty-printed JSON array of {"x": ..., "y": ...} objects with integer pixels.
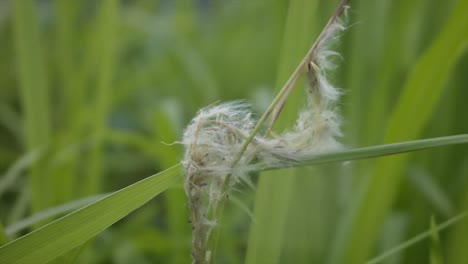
[
  {"x": 72, "y": 256},
  {"x": 67, "y": 41},
  {"x": 76, "y": 228},
  {"x": 457, "y": 241},
  {"x": 417, "y": 102},
  {"x": 431, "y": 191},
  {"x": 435, "y": 254},
  {"x": 3, "y": 236},
  {"x": 370, "y": 17},
  {"x": 50, "y": 213},
  {"x": 9, "y": 120},
  {"x": 34, "y": 94},
  {"x": 274, "y": 190},
  {"x": 15, "y": 170},
  {"x": 107, "y": 41},
  {"x": 380, "y": 150},
  {"x": 418, "y": 238},
  {"x": 394, "y": 233},
  {"x": 20, "y": 207},
  {"x": 403, "y": 14},
  {"x": 165, "y": 130}
]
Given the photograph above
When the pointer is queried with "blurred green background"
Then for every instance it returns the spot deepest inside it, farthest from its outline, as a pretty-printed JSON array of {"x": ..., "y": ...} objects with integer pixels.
[{"x": 93, "y": 92}]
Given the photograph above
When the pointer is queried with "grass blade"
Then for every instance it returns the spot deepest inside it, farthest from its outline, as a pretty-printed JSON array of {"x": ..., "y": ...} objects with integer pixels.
[
  {"x": 431, "y": 191},
  {"x": 435, "y": 254},
  {"x": 34, "y": 94},
  {"x": 165, "y": 130},
  {"x": 50, "y": 213},
  {"x": 417, "y": 102},
  {"x": 76, "y": 228},
  {"x": 381, "y": 150},
  {"x": 15, "y": 170},
  {"x": 418, "y": 238},
  {"x": 274, "y": 190},
  {"x": 107, "y": 37},
  {"x": 3, "y": 236},
  {"x": 387, "y": 75},
  {"x": 457, "y": 241}
]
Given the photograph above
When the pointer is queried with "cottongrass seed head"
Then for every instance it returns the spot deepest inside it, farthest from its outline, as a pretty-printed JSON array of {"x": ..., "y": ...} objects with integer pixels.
[{"x": 216, "y": 136}]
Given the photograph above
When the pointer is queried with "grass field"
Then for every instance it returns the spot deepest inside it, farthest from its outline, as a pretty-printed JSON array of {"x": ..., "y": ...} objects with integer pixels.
[{"x": 93, "y": 93}]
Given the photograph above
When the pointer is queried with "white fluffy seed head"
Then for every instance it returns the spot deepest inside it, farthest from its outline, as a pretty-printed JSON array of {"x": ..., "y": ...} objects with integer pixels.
[{"x": 215, "y": 137}]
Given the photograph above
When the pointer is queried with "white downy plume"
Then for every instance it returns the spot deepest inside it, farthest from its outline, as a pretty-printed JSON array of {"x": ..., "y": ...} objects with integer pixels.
[{"x": 216, "y": 135}]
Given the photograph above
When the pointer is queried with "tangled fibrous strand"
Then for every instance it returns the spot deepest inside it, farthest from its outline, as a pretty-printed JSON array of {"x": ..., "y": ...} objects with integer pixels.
[{"x": 216, "y": 136}]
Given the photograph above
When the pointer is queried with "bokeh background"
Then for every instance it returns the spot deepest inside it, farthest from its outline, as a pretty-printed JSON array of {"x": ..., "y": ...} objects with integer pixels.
[{"x": 93, "y": 93}]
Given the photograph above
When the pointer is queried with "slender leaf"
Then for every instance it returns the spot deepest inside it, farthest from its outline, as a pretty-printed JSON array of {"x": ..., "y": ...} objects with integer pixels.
[
  {"x": 380, "y": 150},
  {"x": 107, "y": 43},
  {"x": 50, "y": 213},
  {"x": 3, "y": 236},
  {"x": 431, "y": 191},
  {"x": 457, "y": 252},
  {"x": 72, "y": 230},
  {"x": 15, "y": 170},
  {"x": 34, "y": 94},
  {"x": 146, "y": 188},
  {"x": 165, "y": 130},
  {"x": 418, "y": 238},
  {"x": 274, "y": 190},
  {"x": 424, "y": 87},
  {"x": 435, "y": 254}
]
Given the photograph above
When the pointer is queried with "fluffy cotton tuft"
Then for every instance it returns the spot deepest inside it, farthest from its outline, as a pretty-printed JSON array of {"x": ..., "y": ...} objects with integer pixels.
[{"x": 217, "y": 134}]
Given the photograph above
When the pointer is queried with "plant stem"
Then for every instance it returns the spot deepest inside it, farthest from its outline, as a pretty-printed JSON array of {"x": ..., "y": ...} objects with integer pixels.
[
  {"x": 275, "y": 107},
  {"x": 277, "y": 104}
]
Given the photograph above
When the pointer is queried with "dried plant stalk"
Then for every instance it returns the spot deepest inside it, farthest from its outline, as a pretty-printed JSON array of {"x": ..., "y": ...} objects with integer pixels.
[{"x": 223, "y": 145}]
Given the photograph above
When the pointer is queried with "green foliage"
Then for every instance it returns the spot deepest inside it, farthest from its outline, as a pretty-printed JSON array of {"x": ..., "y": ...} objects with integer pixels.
[
  {"x": 93, "y": 93},
  {"x": 434, "y": 229},
  {"x": 35, "y": 95},
  {"x": 73, "y": 230},
  {"x": 3, "y": 236},
  {"x": 435, "y": 254},
  {"x": 416, "y": 103}
]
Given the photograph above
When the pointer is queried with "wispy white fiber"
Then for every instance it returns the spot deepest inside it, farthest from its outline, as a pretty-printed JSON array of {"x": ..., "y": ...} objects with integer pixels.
[{"x": 216, "y": 135}]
